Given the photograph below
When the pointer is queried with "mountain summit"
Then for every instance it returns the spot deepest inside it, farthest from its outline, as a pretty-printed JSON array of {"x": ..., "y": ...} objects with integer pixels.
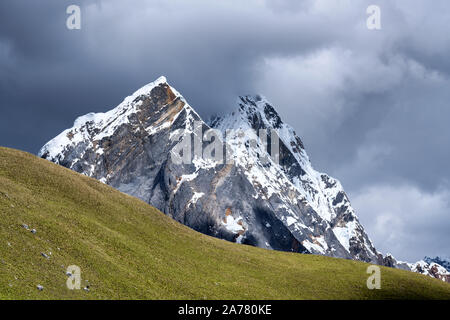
[{"x": 254, "y": 197}]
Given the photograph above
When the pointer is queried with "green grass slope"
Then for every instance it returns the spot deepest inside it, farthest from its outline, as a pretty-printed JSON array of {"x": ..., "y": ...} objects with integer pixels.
[{"x": 128, "y": 250}]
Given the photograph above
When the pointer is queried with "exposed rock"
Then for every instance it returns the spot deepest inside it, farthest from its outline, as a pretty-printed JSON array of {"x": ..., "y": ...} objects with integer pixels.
[
  {"x": 251, "y": 198},
  {"x": 442, "y": 261},
  {"x": 45, "y": 255},
  {"x": 431, "y": 269}
]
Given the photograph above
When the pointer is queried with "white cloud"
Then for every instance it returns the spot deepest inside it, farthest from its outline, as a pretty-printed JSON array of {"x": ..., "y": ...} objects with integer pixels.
[{"x": 405, "y": 221}]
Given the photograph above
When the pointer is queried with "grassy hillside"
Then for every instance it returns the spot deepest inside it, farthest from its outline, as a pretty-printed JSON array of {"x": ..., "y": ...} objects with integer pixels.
[{"x": 128, "y": 250}]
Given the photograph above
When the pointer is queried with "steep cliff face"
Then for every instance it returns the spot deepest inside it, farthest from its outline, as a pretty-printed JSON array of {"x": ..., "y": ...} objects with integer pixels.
[
  {"x": 437, "y": 267},
  {"x": 254, "y": 196},
  {"x": 313, "y": 205},
  {"x": 431, "y": 269},
  {"x": 442, "y": 261}
]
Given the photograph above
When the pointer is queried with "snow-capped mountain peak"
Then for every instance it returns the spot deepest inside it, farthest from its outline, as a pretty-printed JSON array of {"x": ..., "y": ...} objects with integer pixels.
[
  {"x": 96, "y": 126},
  {"x": 441, "y": 260},
  {"x": 267, "y": 196},
  {"x": 295, "y": 181},
  {"x": 430, "y": 268}
]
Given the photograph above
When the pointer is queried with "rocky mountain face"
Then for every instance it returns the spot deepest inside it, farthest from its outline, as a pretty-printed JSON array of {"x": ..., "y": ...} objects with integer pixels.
[
  {"x": 442, "y": 261},
  {"x": 254, "y": 194},
  {"x": 438, "y": 267}
]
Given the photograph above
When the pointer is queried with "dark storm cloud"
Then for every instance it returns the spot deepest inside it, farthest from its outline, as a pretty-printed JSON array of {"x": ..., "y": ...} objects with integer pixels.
[
  {"x": 207, "y": 50},
  {"x": 371, "y": 106}
]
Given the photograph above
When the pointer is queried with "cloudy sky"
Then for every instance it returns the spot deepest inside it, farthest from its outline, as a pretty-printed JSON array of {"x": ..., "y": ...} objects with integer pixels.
[{"x": 372, "y": 106}]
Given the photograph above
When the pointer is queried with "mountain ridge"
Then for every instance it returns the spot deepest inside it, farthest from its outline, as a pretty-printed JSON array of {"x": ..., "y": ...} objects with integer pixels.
[{"x": 283, "y": 206}]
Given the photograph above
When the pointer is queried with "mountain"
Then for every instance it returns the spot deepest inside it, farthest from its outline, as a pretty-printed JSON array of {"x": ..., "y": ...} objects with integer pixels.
[
  {"x": 431, "y": 269},
  {"x": 284, "y": 206},
  {"x": 442, "y": 261},
  {"x": 312, "y": 205},
  {"x": 438, "y": 267},
  {"x": 127, "y": 249},
  {"x": 251, "y": 195}
]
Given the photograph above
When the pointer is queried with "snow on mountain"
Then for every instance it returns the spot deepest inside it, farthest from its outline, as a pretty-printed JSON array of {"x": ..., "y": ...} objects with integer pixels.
[
  {"x": 295, "y": 181},
  {"x": 431, "y": 269},
  {"x": 101, "y": 124},
  {"x": 255, "y": 196},
  {"x": 442, "y": 261}
]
